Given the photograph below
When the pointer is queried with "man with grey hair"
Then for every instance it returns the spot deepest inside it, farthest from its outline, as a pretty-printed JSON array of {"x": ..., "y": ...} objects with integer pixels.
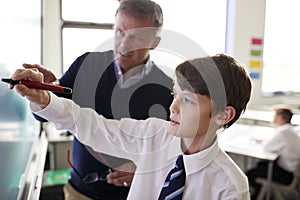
[{"x": 119, "y": 83}]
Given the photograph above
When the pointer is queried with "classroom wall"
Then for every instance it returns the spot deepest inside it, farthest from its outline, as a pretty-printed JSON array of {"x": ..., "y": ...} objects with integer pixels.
[
  {"x": 245, "y": 22},
  {"x": 248, "y": 23}
]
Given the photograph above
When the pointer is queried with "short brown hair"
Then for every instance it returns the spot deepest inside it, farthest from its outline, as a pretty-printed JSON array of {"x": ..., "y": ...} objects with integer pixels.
[
  {"x": 285, "y": 113},
  {"x": 220, "y": 77}
]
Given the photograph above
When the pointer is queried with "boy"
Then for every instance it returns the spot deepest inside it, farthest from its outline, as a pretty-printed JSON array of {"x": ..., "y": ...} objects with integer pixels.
[
  {"x": 210, "y": 93},
  {"x": 286, "y": 143}
]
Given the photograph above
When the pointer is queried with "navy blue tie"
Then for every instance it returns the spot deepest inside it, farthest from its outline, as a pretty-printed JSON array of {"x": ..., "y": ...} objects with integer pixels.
[{"x": 174, "y": 183}]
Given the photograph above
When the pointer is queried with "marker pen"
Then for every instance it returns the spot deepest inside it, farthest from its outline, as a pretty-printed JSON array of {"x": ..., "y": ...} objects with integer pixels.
[{"x": 38, "y": 85}]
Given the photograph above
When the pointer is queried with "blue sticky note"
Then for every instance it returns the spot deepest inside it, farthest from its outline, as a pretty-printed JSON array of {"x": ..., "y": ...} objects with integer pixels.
[{"x": 254, "y": 75}]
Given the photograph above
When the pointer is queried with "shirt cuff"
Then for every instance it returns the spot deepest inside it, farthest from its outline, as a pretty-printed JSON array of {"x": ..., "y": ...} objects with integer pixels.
[
  {"x": 50, "y": 111},
  {"x": 35, "y": 108}
]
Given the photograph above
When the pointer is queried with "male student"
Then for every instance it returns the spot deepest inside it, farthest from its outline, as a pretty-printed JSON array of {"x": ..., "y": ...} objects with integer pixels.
[
  {"x": 210, "y": 93},
  {"x": 286, "y": 143}
]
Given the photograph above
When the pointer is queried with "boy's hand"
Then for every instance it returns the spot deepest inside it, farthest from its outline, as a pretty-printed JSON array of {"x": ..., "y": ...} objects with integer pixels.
[
  {"x": 38, "y": 97},
  {"x": 49, "y": 77}
]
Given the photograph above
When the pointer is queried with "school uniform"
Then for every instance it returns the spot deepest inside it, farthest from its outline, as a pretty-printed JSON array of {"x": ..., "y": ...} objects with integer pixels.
[{"x": 210, "y": 173}]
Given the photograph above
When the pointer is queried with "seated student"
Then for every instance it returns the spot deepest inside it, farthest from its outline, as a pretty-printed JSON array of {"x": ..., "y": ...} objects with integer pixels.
[
  {"x": 210, "y": 93},
  {"x": 287, "y": 144}
]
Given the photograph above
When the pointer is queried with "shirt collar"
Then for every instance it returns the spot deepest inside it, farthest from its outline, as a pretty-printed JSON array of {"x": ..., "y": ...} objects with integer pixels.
[
  {"x": 198, "y": 161},
  {"x": 283, "y": 127},
  {"x": 194, "y": 162},
  {"x": 141, "y": 70}
]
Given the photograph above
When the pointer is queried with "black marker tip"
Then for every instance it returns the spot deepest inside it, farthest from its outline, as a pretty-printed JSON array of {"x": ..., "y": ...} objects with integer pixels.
[
  {"x": 6, "y": 80},
  {"x": 10, "y": 81}
]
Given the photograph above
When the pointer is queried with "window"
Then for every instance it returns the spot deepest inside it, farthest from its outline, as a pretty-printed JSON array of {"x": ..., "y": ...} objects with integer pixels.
[
  {"x": 98, "y": 11},
  {"x": 87, "y": 24},
  {"x": 77, "y": 41},
  {"x": 198, "y": 20},
  {"x": 20, "y": 33},
  {"x": 281, "y": 48}
]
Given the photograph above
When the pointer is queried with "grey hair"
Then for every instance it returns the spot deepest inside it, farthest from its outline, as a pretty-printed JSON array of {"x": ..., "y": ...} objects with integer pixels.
[{"x": 144, "y": 9}]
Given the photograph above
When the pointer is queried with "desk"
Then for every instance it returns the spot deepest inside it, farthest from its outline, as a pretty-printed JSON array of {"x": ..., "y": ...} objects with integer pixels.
[
  {"x": 263, "y": 117},
  {"x": 23, "y": 154},
  {"x": 241, "y": 139}
]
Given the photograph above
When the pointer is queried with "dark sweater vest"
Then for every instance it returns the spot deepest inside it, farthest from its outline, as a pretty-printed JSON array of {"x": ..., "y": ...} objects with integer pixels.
[{"x": 94, "y": 84}]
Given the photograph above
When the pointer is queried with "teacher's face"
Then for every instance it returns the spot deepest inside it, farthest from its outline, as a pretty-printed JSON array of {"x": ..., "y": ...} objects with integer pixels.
[{"x": 134, "y": 38}]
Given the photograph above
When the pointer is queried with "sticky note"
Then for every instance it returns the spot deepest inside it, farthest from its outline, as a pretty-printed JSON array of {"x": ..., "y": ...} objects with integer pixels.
[
  {"x": 256, "y": 41},
  {"x": 255, "y": 64},
  {"x": 256, "y": 52},
  {"x": 254, "y": 75}
]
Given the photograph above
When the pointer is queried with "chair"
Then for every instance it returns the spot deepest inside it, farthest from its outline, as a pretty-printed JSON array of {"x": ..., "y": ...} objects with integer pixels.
[{"x": 280, "y": 191}]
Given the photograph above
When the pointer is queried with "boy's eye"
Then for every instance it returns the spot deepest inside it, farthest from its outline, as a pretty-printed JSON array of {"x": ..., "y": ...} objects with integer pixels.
[{"x": 187, "y": 100}]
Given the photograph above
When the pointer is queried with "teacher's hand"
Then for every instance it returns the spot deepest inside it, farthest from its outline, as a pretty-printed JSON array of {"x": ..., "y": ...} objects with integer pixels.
[
  {"x": 49, "y": 76},
  {"x": 123, "y": 175}
]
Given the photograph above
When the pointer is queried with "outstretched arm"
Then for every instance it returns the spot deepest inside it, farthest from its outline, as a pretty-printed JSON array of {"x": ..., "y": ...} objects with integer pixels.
[
  {"x": 64, "y": 113},
  {"x": 120, "y": 138}
]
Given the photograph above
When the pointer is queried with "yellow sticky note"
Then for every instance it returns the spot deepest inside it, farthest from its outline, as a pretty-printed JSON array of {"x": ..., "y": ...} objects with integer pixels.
[{"x": 255, "y": 64}]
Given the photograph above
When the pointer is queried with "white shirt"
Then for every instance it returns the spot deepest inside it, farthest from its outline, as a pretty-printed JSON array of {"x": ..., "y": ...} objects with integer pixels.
[
  {"x": 210, "y": 173},
  {"x": 287, "y": 144}
]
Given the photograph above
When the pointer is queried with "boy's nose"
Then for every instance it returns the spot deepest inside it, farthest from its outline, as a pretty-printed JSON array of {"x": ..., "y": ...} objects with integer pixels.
[{"x": 174, "y": 107}]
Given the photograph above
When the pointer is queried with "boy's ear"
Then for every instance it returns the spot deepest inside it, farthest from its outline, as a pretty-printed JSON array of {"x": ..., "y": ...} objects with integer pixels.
[{"x": 225, "y": 116}]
